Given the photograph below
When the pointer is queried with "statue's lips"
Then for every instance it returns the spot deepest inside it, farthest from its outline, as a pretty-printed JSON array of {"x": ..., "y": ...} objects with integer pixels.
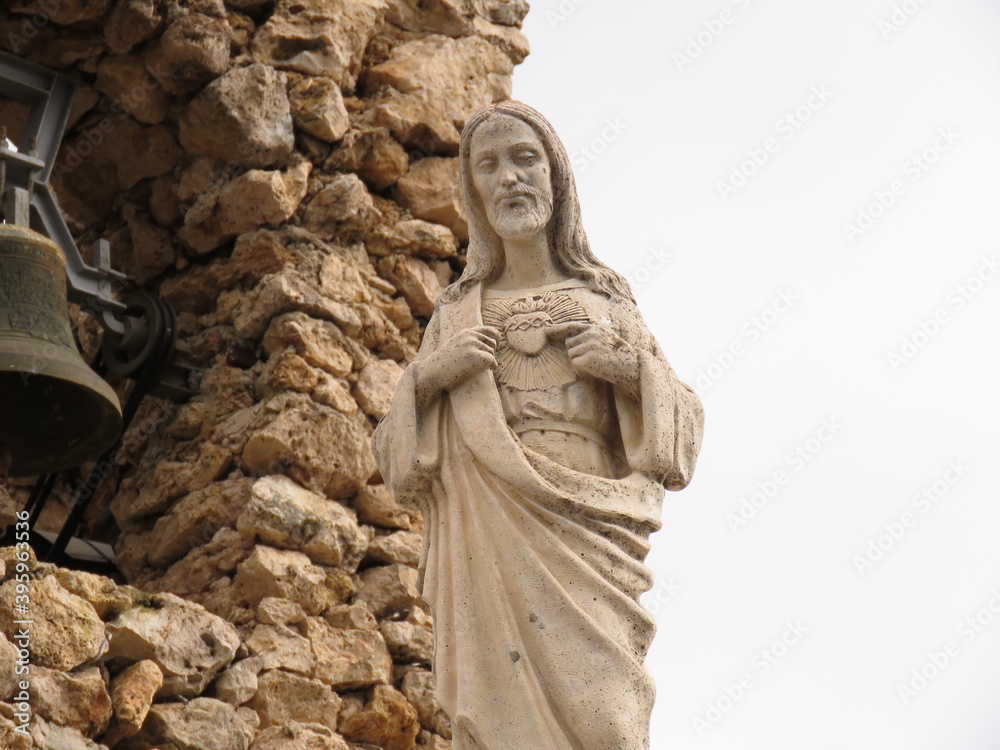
[{"x": 520, "y": 199}]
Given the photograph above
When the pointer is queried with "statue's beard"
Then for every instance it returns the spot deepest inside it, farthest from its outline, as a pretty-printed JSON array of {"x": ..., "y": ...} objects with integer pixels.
[{"x": 523, "y": 217}]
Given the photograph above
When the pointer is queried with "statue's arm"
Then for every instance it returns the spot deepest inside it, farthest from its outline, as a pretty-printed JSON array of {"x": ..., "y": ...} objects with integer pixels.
[{"x": 661, "y": 418}]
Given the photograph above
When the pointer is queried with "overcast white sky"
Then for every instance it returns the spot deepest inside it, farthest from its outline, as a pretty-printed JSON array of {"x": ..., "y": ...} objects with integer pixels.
[{"x": 805, "y": 197}]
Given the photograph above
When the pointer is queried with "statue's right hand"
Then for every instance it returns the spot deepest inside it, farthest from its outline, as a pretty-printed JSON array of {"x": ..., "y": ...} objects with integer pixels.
[{"x": 464, "y": 354}]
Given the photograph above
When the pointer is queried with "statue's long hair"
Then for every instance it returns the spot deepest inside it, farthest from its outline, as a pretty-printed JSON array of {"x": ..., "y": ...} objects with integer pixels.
[{"x": 567, "y": 239}]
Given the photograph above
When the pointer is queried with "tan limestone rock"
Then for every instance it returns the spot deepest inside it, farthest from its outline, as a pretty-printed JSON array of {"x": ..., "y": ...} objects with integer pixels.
[
  {"x": 284, "y": 514},
  {"x": 127, "y": 83},
  {"x": 195, "y": 519},
  {"x": 193, "y": 50},
  {"x": 415, "y": 123},
  {"x": 318, "y": 108},
  {"x": 131, "y": 22},
  {"x": 348, "y": 659},
  {"x": 9, "y": 678},
  {"x": 375, "y": 505},
  {"x": 104, "y": 595},
  {"x": 283, "y": 697},
  {"x": 315, "y": 445},
  {"x": 286, "y": 371},
  {"x": 319, "y": 342},
  {"x": 132, "y": 693},
  {"x": 296, "y": 736},
  {"x": 260, "y": 197},
  {"x": 373, "y": 154},
  {"x": 389, "y": 589},
  {"x": 243, "y": 117},
  {"x": 202, "y": 724},
  {"x": 410, "y": 641},
  {"x": 188, "y": 643},
  {"x": 414, "y": 279},
  {"x": 376, "y": 386},
  {"x": 66, "y": 631},
  {"x": 399, "y": 547},
  {"x": 353, "y": 616},
  {"x": 142, "y": 250},
  {"x": 320, "y": 37},
  {"x": 343, "y": 206},
  {"x": 387, "y": 720},
  {"x": 430, "y": 190},
  {"x": 418, "y": 688},
  {"x": 11, "y": 738},
  {"x": 64, "y": 13},
  {"x": 238, "y": 683},
  {"x": 269, "y": 572},
  {"x": 279, "y": 647},
  {"x": 453, "y": 77},
  {"x": 79, "y": 699},
  {"x": 413, "y": 237},
  {"x": 276, "y": 611}
]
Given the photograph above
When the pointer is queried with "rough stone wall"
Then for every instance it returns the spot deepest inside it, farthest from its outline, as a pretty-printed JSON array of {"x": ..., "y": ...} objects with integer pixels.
[{"x": 283, "y": 174}]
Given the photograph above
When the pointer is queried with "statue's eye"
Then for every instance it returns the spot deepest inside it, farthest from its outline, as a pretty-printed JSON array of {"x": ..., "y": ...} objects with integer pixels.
[
  {"x": 527, "y": 157},
  {"x": 487, "y": 163}
]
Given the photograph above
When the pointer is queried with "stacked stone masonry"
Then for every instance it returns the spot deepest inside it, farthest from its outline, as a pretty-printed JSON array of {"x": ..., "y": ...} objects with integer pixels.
[{"x": 284, "y": 174}]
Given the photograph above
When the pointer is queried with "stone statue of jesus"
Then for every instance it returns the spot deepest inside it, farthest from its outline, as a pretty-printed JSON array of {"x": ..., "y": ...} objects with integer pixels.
[{"x": 537, "y": 429}]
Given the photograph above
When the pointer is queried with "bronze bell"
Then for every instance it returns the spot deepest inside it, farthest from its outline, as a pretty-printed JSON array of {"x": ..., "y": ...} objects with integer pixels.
[{"x": 55, "y": 412}]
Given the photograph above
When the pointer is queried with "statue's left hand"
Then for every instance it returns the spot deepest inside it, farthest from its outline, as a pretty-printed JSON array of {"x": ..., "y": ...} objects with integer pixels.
[{"x": 600, "y": 352}]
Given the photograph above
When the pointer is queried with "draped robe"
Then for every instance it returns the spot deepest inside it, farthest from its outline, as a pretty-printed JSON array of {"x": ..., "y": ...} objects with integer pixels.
[{"x": 533, "y": 571}]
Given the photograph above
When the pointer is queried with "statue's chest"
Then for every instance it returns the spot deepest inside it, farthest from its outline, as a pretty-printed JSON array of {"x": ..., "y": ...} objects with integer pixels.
[{"x": 532, "y": 354}]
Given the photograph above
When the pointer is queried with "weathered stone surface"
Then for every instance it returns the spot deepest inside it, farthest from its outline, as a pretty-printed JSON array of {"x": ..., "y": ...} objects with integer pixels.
[
  {"x": 448, "y": 76},
  {"x": 318, "y": 447},
  {"x": 348, "y": 659},
  {"x": 8, "y": 663},
  {"x": 243, "y": 118},
  {"x": 343, "y": 206},
  {"x": 418, "y": 688},
  {"x": 386, "y": 719},
  {"x": 399, "y": 547},
  {"x": 414, "y": 279},
  {"x": 279, "y": 647},
  {"x": 193, "y": 50},
  {"x": 296, "y": 736},
  {"x": 201, "y": 724},
  {"x": 320, "y": 37},
  {"x": 413, "y": 237},
  {"x": 169, "y": 480},
  {"x": 318, "y": 108},
  {"x": 283, "y": 514},
  {"x": 141, "y": 249},
  {"x": 131, "y": 22},
  {"x": 430, "y": 741},
  {"x": 376, "y": 385},
  {"x": 260, "y": 197},
  {"x": 238, "y": 683},
  {"x": 276, "y": 611},
  {"x": 353, "y": 616},
  {"x": 410, "y": 641},
  {"x": 319, "y": 342},
  {"x": 104, "y": 595},
  {"x": 66, "y": 631},
  {"x": 126, "y": 82},
  {"x": 64, "y": 13},
  {"x": 430, "y": 190},
  {"x": 373, "y": 154},
  {"x": 188, "y": 643},
  {"x": 282, "y": 697},
  {"x": 413, "y": 122},
  {"x": 270, "y": 572},
  {"x": 132, "y": 693},
  {"x": 195, "y": 518},
  {"x": 375, "y": 505},
  {"x": 79, "y": 700},
  {"x": 50, "y": 736},
  {"x": 389, "y": 589},
  {"x": 11, "y": 738}
]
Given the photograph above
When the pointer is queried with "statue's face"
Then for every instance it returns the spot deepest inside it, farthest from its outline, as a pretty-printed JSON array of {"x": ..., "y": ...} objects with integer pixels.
[{"x": 510, "y": 170}]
